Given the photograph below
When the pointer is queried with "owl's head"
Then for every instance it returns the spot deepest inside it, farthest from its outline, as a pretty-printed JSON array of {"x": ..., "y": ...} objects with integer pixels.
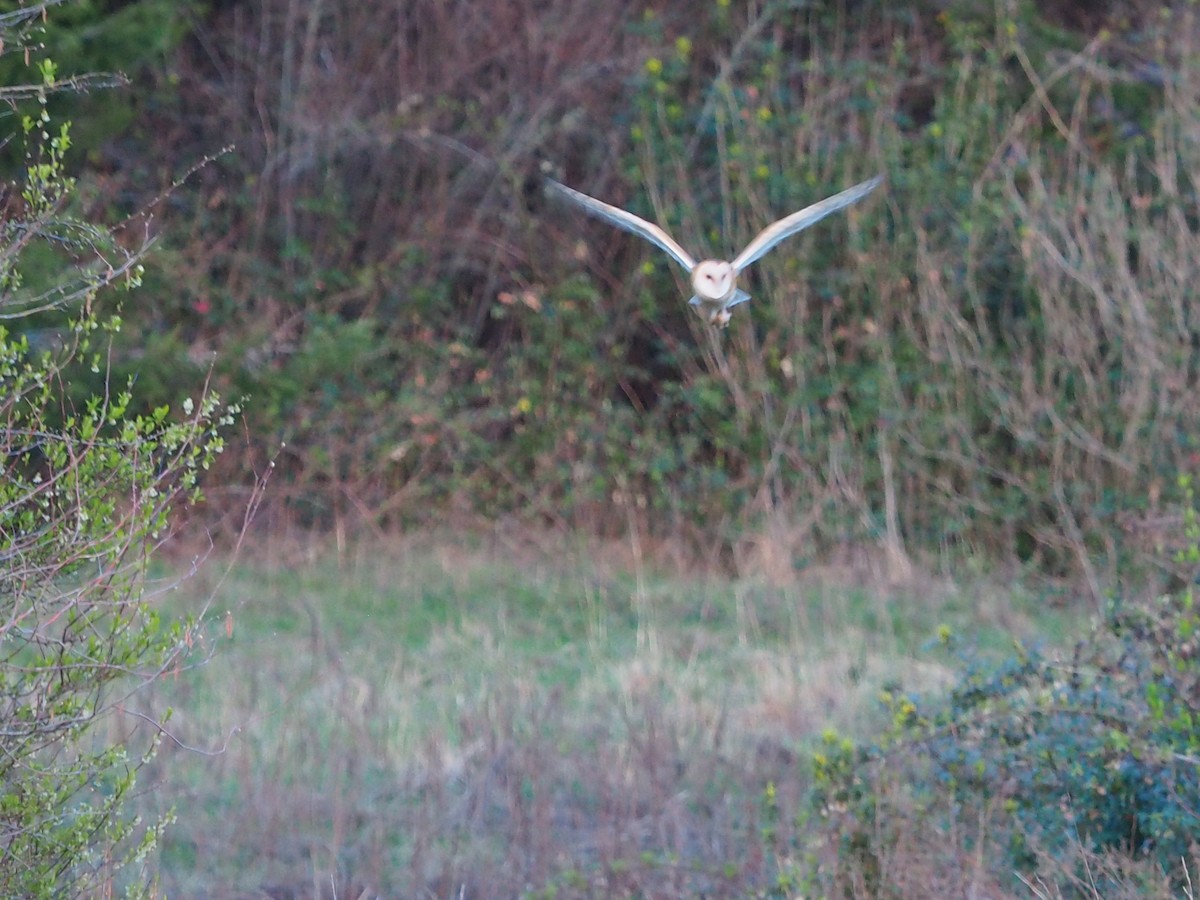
[{"x": 713, "y": 279}]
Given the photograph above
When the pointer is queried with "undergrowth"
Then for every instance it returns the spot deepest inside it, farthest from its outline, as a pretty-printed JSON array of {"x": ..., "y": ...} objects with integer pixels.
[{"x": 989, "y": 359}]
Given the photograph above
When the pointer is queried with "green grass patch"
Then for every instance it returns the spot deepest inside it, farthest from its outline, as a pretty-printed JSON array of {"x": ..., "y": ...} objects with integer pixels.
[{"x": 417, "y": 717}]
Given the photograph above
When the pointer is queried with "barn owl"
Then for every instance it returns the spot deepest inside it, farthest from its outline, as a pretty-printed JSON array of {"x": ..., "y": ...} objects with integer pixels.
[{"x": 715, "y": 281}]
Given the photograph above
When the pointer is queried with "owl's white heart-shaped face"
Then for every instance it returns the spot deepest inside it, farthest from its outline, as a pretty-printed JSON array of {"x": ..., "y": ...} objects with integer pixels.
[{"x": 713, "y": 279}]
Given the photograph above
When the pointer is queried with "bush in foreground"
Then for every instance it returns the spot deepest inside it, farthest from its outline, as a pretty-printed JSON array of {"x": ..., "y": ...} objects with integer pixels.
[
  {"x": 1083, "y": 769},
  {"x": 86, "y": 493}
]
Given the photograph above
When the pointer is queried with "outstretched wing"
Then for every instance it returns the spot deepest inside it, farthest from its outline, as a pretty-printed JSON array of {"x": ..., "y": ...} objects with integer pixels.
[
  {"x": 798, "y": 221},
  {"x": 629, "y": 222}
]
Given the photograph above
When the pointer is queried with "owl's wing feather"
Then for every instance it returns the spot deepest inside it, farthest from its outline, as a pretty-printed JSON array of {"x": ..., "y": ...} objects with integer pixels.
[
  {"x": 798, "y": 221},
  {"x": 628, "y": 221}
]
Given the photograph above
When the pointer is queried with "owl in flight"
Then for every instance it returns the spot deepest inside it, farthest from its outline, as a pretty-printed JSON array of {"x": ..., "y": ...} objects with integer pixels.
[{"x": 715, "y": 281}]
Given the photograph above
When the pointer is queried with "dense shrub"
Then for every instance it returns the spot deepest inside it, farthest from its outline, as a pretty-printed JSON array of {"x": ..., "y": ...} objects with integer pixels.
[
  {"x": 87, "y": 488},
  {"x": 1049, "y": 762}
]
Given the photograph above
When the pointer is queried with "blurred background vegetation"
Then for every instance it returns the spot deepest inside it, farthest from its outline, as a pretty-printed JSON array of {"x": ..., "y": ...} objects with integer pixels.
[
  {"x": 991, "y": 359},
  {"x": 987, "y": 368}
]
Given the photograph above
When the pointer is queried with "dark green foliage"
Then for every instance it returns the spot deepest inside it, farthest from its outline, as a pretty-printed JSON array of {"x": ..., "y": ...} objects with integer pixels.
[
  {"x": 115, "y": 35},
  {"x": 1098, "y": 750},
  {"x": 1066, "y": 759},
  {"x": 96, "y": 44}
]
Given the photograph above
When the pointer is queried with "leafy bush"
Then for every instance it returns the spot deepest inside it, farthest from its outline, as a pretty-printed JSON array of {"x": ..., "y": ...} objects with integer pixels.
[
  {"x": 1057, "y": 761},
  {"x": 1098, "y": 749},
  {"x": 87, "y": 491}
]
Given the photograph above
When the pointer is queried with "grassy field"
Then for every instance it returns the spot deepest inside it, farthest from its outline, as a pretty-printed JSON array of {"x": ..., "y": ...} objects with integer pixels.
[{"x": 425, "y": 718}]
